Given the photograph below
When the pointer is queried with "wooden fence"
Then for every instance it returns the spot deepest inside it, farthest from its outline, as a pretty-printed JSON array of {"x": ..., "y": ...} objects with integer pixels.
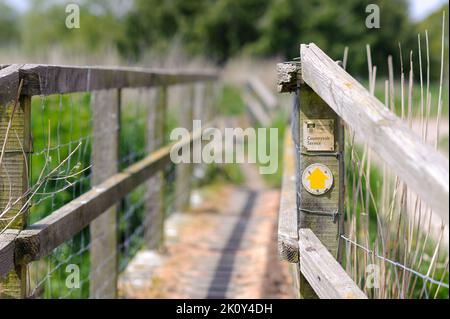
[
  {"x": 21, "y": 244},
  {"x": 260, "y": 102},
  {"x": 309, "y": 226}
]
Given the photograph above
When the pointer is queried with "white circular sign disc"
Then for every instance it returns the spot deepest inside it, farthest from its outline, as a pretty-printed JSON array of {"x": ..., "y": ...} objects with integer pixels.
[{"x": 317, "y": 179}]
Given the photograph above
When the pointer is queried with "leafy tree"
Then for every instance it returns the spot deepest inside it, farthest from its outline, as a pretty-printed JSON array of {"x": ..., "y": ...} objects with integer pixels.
[
  {"x": 9, "y": 32},
  {"x": 332, "y": 26},
  {"x": 221, "y": 29},
  {"x": 152, "y": 23},
  {"x": 228, "y": 26}
]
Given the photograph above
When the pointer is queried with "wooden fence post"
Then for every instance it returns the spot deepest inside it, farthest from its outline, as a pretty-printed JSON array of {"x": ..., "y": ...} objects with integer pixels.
[
  {"x": 14, "y": 183},
  {"x": 184, "y": 170},
  {"x": 321, "y": 187},
  {"x": 105, "y": 155},
  {"x": 319, "y": 139},
  {"x": 156, "y": 130},
  {"x": 209, "y": 103}
]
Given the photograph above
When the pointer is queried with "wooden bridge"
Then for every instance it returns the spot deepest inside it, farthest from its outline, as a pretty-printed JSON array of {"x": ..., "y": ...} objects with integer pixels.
[{"x": 120, "y": 200}]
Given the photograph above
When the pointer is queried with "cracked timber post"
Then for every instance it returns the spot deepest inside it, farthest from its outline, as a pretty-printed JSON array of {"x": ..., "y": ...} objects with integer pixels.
[
  {"x": 318, "y": 136},
  {"x": 14, "y": 183}
]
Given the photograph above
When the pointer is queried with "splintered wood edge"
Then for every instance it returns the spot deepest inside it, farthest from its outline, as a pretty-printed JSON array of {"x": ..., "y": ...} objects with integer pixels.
[
  {"x": 288, "y": 74},
  {"x": 56, "y": 79}
]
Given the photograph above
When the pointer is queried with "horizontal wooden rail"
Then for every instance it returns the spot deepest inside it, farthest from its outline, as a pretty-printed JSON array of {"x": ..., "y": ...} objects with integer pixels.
[
  {"x": 256, "y": 110},
  {"x": 54, "y": 79},
  {"x": 260, "y": 102},
  {"x": 39, "y": 239},
  {"x": 420, "y": 166},
  {"x": 325, "y": 275},
  {"x": 266, "y": 97},
  {"x": 288, "y": 214}
]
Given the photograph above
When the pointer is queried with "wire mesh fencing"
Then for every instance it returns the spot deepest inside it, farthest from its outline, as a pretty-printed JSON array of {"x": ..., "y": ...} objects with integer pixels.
[
  {"x": 61, "y": 169},
  {"x": 396, "y": 247}
]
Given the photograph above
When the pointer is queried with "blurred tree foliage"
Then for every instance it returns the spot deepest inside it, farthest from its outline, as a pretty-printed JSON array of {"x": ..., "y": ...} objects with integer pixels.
[
  {"x": 221, "y": 29},
  {"x": 9, "y": 31}
]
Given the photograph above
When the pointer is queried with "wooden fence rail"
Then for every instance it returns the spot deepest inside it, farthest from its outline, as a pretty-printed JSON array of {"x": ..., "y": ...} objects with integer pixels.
[
  {"x": 308, "y": 258},
  {"x": 419, "y": 165},
  {"x": 55, "y": 79},
  {"x": 22, "y": 244},
  {"x": 327, "y": 92},
  {"x": 39, "y": 239}
]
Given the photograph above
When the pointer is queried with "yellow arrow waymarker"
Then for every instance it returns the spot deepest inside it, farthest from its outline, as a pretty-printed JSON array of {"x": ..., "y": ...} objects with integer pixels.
[{"x": 317, "y": 179}]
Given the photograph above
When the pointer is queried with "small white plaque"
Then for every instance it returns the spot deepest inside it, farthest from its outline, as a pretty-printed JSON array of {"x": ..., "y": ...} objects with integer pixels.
[{"x": 318, "y": 135}]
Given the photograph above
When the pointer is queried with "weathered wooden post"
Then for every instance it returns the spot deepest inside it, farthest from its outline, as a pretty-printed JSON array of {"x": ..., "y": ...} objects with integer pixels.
[
  {"x": 208, "y": 102},
  {"x": 184, "y": 170},
  {"x": 15, "y": 145},
  {"x": 105, "y": 163},
  {"x": 156, "y": 130},
  {"x": 319, "y": 142}
]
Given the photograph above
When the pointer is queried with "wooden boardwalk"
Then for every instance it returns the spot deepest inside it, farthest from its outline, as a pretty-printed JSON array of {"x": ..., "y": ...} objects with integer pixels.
[{"x": 224, "y": 248}]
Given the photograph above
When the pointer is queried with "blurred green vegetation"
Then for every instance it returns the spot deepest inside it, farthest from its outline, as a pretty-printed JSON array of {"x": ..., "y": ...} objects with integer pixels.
[
  {"x": 222, "y": 29},
  {"x": 230, "y": 101},
  {"x": 59, "y": 124},
  {"x": 416, "y": 99},
  {"x": 367, "y": 215},
  {"x": 443, "y": 144},
  {"x": 219, "y": 30},
  {"x": 9, "y": 31},
  {"x": 279, "y": 123}
]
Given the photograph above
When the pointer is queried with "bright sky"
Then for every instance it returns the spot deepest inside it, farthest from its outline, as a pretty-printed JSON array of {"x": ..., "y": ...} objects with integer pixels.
[
  {"x": 418, "y": 8},
  {"x": 421, "y": 8}
]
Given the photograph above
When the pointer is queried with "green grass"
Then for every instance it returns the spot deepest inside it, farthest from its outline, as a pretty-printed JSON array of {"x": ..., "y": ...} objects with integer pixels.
[
  {"x": 59, "y": 123},
  {"x": 434, "y": 91},
  {"x": 443, "y": 144},
  {"x": 230, "y": 101},
  {"x": 279, "y": 123}
]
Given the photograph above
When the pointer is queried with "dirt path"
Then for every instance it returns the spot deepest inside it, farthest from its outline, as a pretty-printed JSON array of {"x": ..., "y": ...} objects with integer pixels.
[{"x": 224, "y": 248}]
